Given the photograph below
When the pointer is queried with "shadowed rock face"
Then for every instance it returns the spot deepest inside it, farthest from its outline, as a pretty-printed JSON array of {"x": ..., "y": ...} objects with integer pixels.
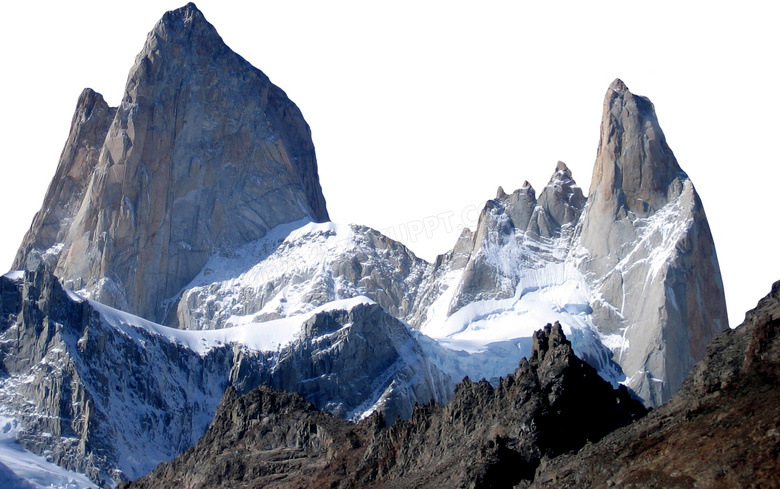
[
  {"x": 95, "y": 399},
  {"x": 484, "y": 437},
  {"x": 99, "y": 392},
  {"x": 203, "y": 155},
  {"x": 720, "y": 430}
]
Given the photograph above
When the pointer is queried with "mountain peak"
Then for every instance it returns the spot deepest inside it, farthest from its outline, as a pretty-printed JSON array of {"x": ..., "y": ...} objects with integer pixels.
[
  {"x": 204, "y": 155},
  {"x": 182, "y": 19},
  {"x": 188, "y": 30},
  {"x": 637, "y": 190},
  {"x": 634, "y": 165},
  {"x": 617, "y": 85}
]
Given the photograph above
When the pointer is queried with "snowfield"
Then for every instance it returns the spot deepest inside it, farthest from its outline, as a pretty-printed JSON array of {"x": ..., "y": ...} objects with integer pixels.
[
  {"x": 21, "y": 469},
  {"x": 250, "y": 334}
]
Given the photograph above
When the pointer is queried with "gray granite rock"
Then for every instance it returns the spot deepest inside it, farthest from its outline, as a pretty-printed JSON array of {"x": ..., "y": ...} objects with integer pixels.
[
  {"x": 648, "y": 251},
  {"x": 560, "y": 204},
  {"x": 203, "y": 155}
]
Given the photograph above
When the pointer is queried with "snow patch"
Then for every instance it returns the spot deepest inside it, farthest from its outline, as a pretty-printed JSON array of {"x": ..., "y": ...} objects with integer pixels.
[
  {"x": 258, "y": 336},
  {"x": 15, "y": 275},
  {"x": 20, "y": 468}
]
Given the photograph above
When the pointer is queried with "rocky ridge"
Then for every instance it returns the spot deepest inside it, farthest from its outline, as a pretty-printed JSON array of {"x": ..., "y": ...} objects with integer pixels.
[
  {"x": 534, "y": 430},
  {"x": 111, "y": 395},
  {"x": 484, "y": 437},
  {"x": 719, "y": 430}
]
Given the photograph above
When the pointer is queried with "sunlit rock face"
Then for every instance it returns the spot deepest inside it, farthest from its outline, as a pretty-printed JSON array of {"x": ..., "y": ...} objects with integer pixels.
[
  {"x": 203, "y": 155},
  {"x": 632, "y": 269},
  {"x": 647, "y": 250}
]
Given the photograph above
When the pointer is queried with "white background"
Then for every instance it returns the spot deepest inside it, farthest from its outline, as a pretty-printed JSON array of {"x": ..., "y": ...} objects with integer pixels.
[{"x": 420, "y": 110}]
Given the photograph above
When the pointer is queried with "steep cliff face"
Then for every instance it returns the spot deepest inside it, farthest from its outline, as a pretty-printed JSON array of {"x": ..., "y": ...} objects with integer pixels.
[
  {"x": 78, "y": 161},
  {"x": 647, "y": 251},
  {"x": 484, "y": 437},
  {"x": 98, "y": 396},
  {"x": 203, "y": 155}
]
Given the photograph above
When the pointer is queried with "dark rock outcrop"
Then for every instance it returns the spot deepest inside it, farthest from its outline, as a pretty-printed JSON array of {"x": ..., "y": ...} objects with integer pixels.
[
  {"x": 98, "y": 399},
  {"x": 266, "y": 438},
  {"x": 484, "y": 437},
  {"x": 348, "y": 362},
  {"x": 721, "y": 430},
  {"x": 203, "y": 155}
]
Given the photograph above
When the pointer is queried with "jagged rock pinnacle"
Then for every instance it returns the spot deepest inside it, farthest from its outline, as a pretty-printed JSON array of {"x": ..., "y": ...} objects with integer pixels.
[
  {"x": 674, "y": 267},
  {"x": 634, "y": 166},
  {"x": 618, "y": 85},
  {"x": 560, "y": 203}
]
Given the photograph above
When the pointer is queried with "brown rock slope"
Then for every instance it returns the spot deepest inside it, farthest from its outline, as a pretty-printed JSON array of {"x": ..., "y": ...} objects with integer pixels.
[
  {"x": 721, "y": 430},
  {"x": 484, "y": 437}
]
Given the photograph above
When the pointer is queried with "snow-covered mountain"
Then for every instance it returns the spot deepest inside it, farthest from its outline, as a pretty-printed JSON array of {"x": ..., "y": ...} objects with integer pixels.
[
  {"x": 191, "y": 224},
  {"x": 298, "y": 267},
  {"x": 105, "y": 393}
]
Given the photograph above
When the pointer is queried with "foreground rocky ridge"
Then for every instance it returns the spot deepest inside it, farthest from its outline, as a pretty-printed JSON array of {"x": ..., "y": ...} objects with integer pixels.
[
  {"x": 484, "y": 437},
  {"x": 721, "y": 430}
]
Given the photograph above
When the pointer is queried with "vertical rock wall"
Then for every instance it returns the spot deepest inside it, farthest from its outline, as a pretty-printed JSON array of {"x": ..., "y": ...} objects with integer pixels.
[{"x": 203, "y": 155}]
